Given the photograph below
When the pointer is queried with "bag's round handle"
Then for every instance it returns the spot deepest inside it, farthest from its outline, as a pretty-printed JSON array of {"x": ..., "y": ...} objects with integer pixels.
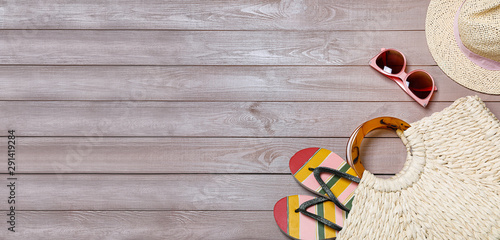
[{"x": 357, "y": 136}]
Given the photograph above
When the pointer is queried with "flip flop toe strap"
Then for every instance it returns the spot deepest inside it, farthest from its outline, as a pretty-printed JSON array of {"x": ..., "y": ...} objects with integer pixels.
[
  {"x": 302, "y": 209},
  {"x": 317, "y": 175}
]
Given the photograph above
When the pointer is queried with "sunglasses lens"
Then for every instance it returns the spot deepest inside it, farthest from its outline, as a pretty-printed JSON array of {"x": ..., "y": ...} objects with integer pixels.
[
  {"x": 420, "y": 84},
  {"x": 391, "y": 61}
]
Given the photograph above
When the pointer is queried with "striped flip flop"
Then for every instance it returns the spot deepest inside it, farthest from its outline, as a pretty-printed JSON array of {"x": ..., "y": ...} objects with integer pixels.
[
  {"x": 326, "y": 174},
  {"x": 308, "y": 218}
]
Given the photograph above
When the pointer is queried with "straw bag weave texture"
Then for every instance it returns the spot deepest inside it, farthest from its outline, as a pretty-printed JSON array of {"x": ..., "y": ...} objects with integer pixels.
[{"x": 449, "y": 187}]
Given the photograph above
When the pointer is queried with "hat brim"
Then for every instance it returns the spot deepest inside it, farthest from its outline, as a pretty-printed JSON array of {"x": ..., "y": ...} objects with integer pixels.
[{"x": 447, "y": 54}]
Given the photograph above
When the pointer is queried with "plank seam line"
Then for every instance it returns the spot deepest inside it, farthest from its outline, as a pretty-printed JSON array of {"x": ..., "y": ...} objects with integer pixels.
[{"x": 209, "y": 30}]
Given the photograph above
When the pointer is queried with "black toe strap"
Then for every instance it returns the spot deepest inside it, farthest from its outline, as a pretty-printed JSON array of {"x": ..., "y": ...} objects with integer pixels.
[
  {"x": 317, "y": 174},
  {"x": 302, "y": 209}
]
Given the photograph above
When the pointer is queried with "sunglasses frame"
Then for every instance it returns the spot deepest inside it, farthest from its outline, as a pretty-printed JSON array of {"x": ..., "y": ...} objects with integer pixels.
[{"x": 400, "y": 78}]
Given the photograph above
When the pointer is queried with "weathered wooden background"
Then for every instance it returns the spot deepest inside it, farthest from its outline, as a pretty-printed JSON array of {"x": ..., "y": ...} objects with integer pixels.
[{"x": 176, "y": 119}]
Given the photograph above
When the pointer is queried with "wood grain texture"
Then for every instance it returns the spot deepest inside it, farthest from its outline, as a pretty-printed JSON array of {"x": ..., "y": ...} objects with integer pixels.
[
  {"x": 89, "y": 47},
  {"x": 213, "y": 83},
  {"x": 189, "y": 155},
  {"x": 153, "y": 225},
  {"x": 151, "y": 191},
  {"x": 215, "y": 15},
  {"x": 203, "y": 119},
  {"x": 176, "y": 119}
]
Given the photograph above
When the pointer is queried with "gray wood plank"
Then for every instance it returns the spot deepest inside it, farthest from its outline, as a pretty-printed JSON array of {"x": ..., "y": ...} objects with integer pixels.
[
  {"x": 203, "y": 119},
  {"x": 187, "y": 129},
  {"x": 213, "y": 83},
  {"x": 72, "y": 47},
  {"x": 151, "y": 192},
  {"x": 215, "y": 15},
  {"x": 154, "y": 225},
  {"x": 189, "y": 155}
]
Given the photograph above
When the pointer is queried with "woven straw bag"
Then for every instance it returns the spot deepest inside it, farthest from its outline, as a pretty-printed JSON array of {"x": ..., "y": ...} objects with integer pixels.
[{"x": 449, "y": 187}]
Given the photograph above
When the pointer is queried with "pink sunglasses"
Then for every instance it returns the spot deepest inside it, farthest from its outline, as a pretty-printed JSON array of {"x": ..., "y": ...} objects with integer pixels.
[{"x": 418, "y": 84}]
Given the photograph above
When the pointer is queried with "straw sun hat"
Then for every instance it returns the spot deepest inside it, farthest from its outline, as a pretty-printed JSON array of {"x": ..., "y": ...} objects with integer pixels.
[{"x": 464, "y": 39}]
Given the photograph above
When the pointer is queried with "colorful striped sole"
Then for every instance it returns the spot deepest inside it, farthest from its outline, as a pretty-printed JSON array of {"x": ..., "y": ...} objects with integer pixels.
[
  {"x": 307, "y": 158},
  {"x": 298, "y": 226}
]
